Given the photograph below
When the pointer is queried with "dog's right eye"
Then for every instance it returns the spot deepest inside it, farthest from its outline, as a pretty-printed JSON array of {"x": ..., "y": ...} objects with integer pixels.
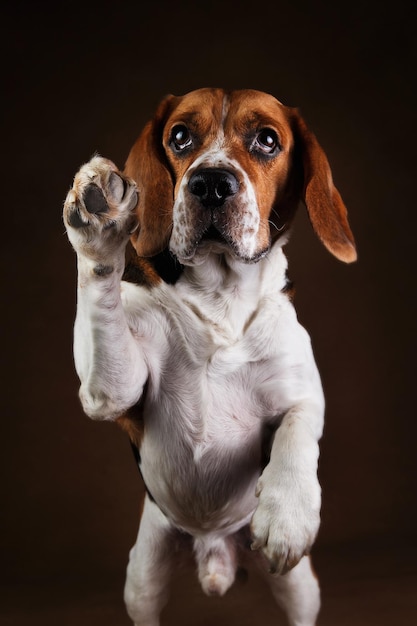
[{"x": 180, "y": 138}]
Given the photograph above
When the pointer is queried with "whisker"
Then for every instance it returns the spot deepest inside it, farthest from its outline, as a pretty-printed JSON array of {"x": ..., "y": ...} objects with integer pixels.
[{"x": 277, "y": 228}]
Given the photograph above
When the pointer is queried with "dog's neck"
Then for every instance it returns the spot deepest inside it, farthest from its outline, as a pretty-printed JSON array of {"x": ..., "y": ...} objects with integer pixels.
[
  {"x": 217, "y": 271},
  {"x": 227, "y": 292}
]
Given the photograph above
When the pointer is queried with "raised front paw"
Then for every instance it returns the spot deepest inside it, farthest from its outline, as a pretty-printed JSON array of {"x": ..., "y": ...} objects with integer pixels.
[
  {"x": 285, "y": 523},
  {"x": 98, "y": 211}
]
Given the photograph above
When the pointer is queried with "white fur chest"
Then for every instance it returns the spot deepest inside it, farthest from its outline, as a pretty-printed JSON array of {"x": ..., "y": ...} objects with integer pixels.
[{"x": 226, "y": 359}]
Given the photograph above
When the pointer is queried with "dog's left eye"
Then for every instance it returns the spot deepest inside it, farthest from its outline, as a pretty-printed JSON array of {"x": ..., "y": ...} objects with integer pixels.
[
  {"x": 266, "y": 141},
  {"x": 180, "y": 138}
]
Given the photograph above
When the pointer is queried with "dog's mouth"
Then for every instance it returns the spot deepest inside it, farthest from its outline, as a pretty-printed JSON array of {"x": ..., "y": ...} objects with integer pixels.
[
  {"x": 214, "y": 237},
  {"x": 209, "y": 240},
  {"x": 212, "y": 234}
]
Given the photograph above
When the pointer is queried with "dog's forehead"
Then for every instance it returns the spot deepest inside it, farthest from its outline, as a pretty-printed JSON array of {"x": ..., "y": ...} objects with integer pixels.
[
  {"x": 245, "y": 101},
  {"x": 208, "y": 110},
  {"x": 250, "y": 109},
  {"x": 201, "y": 108}
]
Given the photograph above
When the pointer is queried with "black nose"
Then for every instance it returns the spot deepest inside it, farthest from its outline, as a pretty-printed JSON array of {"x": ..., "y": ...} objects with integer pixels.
[{"x": 212, "y": 186}]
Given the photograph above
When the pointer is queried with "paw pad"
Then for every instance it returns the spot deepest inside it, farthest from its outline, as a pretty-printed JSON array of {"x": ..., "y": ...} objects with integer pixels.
[{"x": 94, "y": 200}]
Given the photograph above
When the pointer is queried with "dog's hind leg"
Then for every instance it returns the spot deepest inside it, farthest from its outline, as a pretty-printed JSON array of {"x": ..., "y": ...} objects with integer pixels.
[
  {"x": 150, "y": 567},
  {"x": 296, "y": 592}
]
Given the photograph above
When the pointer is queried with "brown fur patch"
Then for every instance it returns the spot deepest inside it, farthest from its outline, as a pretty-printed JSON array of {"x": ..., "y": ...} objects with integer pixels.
[{"x": 132, "y": 423}]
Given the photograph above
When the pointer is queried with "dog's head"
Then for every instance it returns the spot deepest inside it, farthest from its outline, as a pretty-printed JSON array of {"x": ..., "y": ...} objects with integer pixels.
[{"x": 218, "y": 170}]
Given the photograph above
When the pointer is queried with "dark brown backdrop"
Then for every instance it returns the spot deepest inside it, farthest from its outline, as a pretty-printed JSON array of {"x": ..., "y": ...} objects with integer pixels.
[{"x": 79, "y": 78}]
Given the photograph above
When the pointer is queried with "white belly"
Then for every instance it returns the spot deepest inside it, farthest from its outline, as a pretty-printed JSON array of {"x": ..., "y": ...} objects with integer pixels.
[{"x": 202, "y": 451}]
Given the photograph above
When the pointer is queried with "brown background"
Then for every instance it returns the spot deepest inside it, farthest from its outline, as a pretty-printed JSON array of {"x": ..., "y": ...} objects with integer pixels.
[{"x": 80, "y": 78}]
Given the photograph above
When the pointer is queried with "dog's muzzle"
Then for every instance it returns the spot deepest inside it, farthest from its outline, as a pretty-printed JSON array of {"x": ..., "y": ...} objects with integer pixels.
[{"x": 212, "y": 186}]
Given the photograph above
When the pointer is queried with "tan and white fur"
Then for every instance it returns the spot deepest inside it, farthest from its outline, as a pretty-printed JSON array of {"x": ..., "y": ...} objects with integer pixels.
[{"x": 210, "y": 373}]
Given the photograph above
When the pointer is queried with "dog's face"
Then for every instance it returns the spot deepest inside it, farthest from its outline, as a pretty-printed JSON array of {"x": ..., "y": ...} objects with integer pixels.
[
  {"x": 231, "y": 158},
  {"x": 226, "y": 171}
]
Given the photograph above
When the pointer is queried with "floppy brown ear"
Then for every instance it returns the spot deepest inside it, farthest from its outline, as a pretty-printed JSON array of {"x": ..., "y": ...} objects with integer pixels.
[
  {"x": 147, "y": 165},
  {"x": 325, "y": 207}
]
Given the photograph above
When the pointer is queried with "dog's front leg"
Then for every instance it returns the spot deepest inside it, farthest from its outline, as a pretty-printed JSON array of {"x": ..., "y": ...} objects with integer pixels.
[
  {"x": 109, "y": 362},
  {"x": 287, "y": 518}
]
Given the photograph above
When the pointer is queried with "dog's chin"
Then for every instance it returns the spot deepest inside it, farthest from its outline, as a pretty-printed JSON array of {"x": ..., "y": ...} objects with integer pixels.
[
  {"x": 202, "y": 250},
  {"x": 213, "y": 242}
]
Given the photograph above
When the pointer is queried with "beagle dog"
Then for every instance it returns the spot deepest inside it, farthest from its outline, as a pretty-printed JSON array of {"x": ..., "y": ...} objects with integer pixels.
[{"x": 193, "y": 346}]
